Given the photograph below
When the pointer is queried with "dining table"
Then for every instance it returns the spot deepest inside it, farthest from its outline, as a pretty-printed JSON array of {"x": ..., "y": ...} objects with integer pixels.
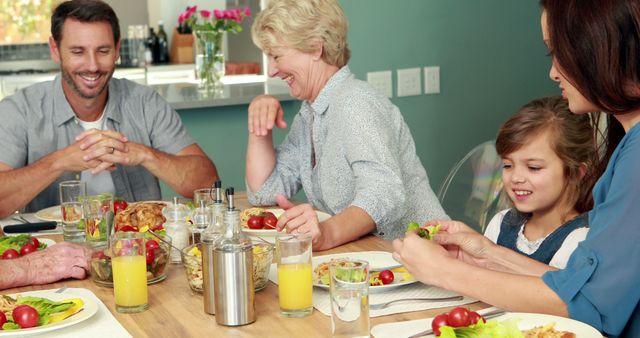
[{"x": 177, "y": 311}]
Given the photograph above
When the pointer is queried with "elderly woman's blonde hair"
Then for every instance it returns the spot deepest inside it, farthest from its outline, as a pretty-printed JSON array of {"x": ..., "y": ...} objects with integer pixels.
[{"x": 301, "y": 24}]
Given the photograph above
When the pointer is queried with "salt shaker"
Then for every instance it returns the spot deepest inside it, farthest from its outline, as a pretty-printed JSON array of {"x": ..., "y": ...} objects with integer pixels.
[
  {"x": 233, "y": 271},
  {"x": 177, "y": 228}
]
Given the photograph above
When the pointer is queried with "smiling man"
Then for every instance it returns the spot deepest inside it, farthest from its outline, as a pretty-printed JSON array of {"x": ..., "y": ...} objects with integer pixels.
[{"x": 118, "y": 136}]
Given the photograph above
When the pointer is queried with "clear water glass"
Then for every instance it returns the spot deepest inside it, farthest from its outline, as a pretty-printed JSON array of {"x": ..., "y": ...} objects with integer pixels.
[
  {"x": 349, "y": 293},
  {"x": 72, "y": 194}
]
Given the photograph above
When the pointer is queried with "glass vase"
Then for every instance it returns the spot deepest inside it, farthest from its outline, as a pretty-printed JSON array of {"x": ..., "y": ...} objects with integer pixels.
[{"x": 209, "y": 58}]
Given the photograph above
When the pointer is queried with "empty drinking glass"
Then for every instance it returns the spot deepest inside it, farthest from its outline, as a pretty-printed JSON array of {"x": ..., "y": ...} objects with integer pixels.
[
  {"x": 71, "y": 195},
  {"x": 349, "y": 293}
]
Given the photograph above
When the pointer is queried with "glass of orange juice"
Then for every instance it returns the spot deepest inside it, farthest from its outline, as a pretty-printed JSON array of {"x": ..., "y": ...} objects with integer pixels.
[
  {"x": 129, "y": 271},
  {"x": 295, "y": 283}
]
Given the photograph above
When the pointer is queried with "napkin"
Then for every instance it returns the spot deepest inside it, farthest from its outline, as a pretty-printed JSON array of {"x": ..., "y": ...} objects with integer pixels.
[
  {"x": 101, "y": 325},
  {"x": 409, "y": 327},
  {"x": 31, "y": 217},
  {"x": 322, "y": 302}
]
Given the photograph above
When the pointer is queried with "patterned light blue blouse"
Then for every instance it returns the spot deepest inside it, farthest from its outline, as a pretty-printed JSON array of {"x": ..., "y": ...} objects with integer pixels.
[{"x": 365, "y": 157}]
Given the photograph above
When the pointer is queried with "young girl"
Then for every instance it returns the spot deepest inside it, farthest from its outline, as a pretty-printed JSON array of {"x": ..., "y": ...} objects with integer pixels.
[
  {"x": 596, "y": 63},
  {"x": 548, "y": 155}
]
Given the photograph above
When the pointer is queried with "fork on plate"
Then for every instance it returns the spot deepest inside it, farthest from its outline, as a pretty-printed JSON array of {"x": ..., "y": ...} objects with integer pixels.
[{"x": 384, "y": 305}]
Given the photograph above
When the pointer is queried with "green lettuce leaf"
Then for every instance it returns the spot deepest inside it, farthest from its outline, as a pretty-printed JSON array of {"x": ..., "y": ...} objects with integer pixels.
[
  {"x": 493, "y": 328},
  {"x": 45, "y": 307}
]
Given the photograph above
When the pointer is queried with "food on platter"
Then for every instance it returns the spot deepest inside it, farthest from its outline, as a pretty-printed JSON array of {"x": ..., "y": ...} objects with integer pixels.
[
  {"x": 423, "y": 231},
  {"x": 262, "y": 259},
  {"x": 547, "y": 331},
  {"x": 24, "y": 312},
  {"x": 377, "y": 278},
  {"x": 16, "y": 246},
  {"x": 254, "y": 218},
  {"x": 461, "y": 322},
  {"x": 141, "y": 216}
]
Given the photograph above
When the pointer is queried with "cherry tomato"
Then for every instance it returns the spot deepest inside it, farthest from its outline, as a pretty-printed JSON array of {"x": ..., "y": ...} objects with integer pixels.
[
  {"x": 118, "y": 205},
  {"x": 127, "y": 228},
  {"x": 151, "y": 245},
  {"x": 27, "y": 249},
  {"x": 386, "y": 277},
  {"x": 25, "y": 316},
  {"x": 151, "y": 255},
  {"x": 459, "y": 317},
  {"x": 255, "y": 222},
  {"x": 34, "y": 241},
  {"x": 3, "y": 319},
  {"x": 474, "y": 317},
  {"x": 270, "y": 220},
  {"x": 438, "y": 322},
  {"x": 10, "y": 254}
]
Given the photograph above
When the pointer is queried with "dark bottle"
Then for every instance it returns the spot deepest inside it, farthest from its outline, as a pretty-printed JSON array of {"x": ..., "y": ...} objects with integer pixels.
[
  {"x": 163, "y": 44},
  {"x": 152, "y": 45}
]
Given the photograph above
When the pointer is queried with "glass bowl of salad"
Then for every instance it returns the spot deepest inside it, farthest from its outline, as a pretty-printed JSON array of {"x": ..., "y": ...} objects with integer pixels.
[
  {"x": 262, "y": 259},
  {"x": 157, "y": 255}
]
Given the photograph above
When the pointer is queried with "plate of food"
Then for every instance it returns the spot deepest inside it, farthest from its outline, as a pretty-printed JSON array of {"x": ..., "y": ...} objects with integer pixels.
[
  {"x": 17, "y": 245},
  {"x": 69, "y": 310},
  {"x": 262, "y": 221},
  {"x": 141, "y": 216},
  {"x": 527, "y": 325},
  {"x": 53, "y": 213},
  {"x": 385, "y": 272}
]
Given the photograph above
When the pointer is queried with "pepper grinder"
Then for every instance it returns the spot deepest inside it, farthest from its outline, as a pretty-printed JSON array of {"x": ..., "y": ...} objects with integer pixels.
[{"x": 233, "y": 271}]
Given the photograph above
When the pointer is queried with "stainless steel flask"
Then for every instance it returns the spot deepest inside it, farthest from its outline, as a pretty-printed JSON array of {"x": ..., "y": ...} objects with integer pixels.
[{"x": 233, "y": 272}]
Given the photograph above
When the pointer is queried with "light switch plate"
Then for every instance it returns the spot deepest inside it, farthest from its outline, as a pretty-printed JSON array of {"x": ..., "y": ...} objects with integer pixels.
[
  {"x": 409, "y": 82},
  {"x": 382, "y": 82},
  {"x": 432, "y": 80}
]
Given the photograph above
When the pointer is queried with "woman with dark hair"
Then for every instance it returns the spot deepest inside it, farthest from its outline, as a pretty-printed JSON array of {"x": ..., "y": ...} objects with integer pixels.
[{"x": 595, "y": 47}]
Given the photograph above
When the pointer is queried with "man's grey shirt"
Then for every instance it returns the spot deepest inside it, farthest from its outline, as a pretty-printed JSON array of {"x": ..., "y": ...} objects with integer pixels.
[
  {"x": 38, "y": 120},
  {"x": 365, "y": 155}
]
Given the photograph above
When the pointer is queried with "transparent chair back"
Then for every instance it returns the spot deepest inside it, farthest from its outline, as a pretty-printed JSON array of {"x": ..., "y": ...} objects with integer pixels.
[{"x": 472, "y": 191}]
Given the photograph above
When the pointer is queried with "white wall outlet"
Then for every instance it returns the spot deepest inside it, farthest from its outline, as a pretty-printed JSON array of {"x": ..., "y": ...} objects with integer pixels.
[
  {"x": 409, "y": 82},
  {"x": 432, "y": 80},
  {"x": 381, "y": 81}
]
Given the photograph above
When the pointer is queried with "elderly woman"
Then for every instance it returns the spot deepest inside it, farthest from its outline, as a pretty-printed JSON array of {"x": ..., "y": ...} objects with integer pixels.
[{"x": 348, "y": 148}]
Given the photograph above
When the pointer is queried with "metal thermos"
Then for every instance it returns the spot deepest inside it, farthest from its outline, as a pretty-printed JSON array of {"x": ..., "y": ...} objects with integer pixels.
[
  {"x": 233, "y": 272},
  {"x": 209, "y": 238},
  {"x": 208, "y": 275}
]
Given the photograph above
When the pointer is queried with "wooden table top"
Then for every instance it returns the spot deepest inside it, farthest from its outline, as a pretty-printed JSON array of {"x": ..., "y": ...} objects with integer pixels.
[{"x": 176, "y": 311}]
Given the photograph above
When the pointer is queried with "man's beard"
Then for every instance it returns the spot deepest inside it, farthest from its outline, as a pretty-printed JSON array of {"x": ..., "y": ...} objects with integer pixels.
[{"x": 66, "y": 75}]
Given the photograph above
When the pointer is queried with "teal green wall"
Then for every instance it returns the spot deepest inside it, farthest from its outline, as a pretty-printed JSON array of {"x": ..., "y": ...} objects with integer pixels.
[{"x": 491, "y": 57}]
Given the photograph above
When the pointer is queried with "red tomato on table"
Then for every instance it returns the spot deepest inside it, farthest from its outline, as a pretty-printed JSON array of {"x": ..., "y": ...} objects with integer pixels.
[
  {"x": 270, "y": 220},
  {"x": 255, "y": 222}
]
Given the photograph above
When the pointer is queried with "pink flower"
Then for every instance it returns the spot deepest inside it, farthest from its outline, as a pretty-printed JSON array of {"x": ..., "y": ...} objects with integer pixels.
[
  {"x": 218, "y": 14},
  {"x": 192, "y": 10},
  {"x": 181, "y": 18},
  {"x": 247, "y": 11},
  {"x": 205, "y": 13}
]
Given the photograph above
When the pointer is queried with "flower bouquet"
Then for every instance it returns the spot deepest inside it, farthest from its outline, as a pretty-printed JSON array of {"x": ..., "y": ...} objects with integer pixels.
[{"x": 208, "y": 28}]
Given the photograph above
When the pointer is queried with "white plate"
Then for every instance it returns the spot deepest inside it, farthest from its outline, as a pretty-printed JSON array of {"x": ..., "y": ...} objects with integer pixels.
[
  {"x": 50, "y": 214},
  {"x": 378, "y": 261},
  {"x": 322, "y": 216},
  {"x": 47, "y": 241},
  {"x": 526, "y": 321},
  {"x": 90, "y": 308}
]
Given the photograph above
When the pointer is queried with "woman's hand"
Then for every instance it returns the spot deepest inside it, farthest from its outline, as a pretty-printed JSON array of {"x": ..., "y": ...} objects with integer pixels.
[
  {"x": 421, "y": 257},
  {"x": 264, "y": 112},
  {"x": 463, "y": 242},
  {"x": 298, "y": 219}
]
